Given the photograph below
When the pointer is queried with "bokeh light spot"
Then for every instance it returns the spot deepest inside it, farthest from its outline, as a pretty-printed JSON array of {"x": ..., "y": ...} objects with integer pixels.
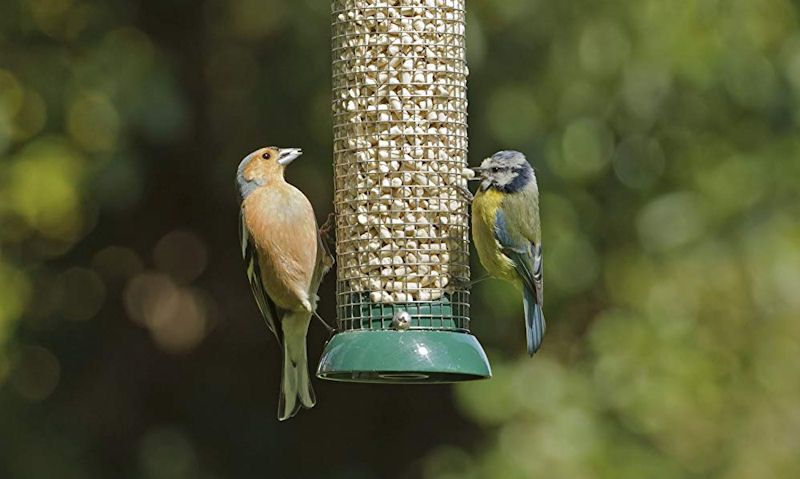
[
  {"x": 255, "y": 18},
  {"x": 638, "y": 162},
  {"x": 50, "y": 15},
  {"x": 671, "y": 220},
  {"x": 15, "y": 291},
  {"x": 181, "y": 254},
  {"x": 30, "y": 118},
  {"x": 586, "y": 149},
  {"x": 489, "y": 402},
  {"x": 514, "y": 11},
  {"x": 93, "y": 122},
  {"x": 751, "y": 79},
  {"x": 447, "y": 462},
  {"x": 572, "y": 263},
  {"x": 603, "y": 48},
  {"x": 166, "y": 453},
  {"x": 11, "y": 94},
  {"x": 513, "y": 115},
  {"x": 175, "y": 316},
  {"x": 82, "y": 293},
  {"x": 644, "y": 89},
  {"x": 732, "y": 185},
  {"x": 11, "y": 98},
  {"x": 44, "y": 186},
  {"x": 36, "y": 372}
]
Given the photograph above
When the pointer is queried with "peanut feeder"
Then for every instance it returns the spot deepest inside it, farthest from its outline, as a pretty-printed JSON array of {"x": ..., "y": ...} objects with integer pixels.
[{"x": 402, "y": 234}]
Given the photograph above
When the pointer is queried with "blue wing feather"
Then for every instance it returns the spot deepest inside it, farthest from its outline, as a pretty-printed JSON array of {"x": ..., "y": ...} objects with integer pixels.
[{"x": 527, "y": 260}]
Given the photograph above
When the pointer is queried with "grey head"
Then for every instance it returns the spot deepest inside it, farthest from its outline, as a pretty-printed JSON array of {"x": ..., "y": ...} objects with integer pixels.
[
  {"x": 245, "y": 186},
  {"x": 263, "y": 165},
  {"x": 507, "y": 171}
]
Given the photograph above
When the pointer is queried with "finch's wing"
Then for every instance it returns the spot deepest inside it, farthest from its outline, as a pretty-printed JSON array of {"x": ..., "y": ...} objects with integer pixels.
[
  {"x": 265, "y": 304},
  {"x": 324, "y": 262},
  {"x": 527, "y": 259}
]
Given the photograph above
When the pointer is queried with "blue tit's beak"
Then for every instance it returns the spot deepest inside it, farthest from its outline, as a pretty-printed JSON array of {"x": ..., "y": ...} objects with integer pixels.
[
  {"x": 474, "y": 173},
  {"x": 288, "y": 155},
  {"x": 469, "y": 174}
]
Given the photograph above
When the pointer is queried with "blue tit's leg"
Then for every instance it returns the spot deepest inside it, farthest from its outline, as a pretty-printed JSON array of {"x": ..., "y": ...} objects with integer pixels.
[
  {"x": 467, "y": 285},
  {"x": 465, "y": 193},
  {"x": 479, "y": 280}
]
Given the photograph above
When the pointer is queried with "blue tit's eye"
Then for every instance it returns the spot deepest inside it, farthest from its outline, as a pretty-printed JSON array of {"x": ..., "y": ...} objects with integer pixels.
[
  {"x": 495, "y": 170},
  {"x": 266, "y": 156}
]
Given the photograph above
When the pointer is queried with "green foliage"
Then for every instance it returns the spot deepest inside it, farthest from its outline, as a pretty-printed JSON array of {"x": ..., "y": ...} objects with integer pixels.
[{"x": 664, "y": 134}]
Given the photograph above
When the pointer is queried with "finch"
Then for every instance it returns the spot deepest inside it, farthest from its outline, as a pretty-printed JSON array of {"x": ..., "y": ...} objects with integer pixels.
[{"x": 286, "y": 261}]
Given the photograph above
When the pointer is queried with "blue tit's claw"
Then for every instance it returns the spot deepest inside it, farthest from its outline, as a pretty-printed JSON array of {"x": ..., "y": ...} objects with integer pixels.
[{"x": 465, "y": 193}]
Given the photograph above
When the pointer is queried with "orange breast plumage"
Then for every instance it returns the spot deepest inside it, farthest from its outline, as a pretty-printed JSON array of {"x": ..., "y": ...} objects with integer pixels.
[{"x": 281, "y": 222}]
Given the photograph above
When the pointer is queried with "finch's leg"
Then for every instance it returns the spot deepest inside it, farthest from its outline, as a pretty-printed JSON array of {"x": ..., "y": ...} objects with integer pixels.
[{"x": 331, "y": 330}]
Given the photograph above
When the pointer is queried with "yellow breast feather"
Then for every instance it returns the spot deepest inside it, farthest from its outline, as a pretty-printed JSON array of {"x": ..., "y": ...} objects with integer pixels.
[{"x": 484, "y": 214}]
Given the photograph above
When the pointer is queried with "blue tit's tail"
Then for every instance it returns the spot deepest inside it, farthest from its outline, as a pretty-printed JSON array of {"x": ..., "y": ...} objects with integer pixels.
[
  {"x": 296, "y": 390},
  {"x": 534, "y": 321}
]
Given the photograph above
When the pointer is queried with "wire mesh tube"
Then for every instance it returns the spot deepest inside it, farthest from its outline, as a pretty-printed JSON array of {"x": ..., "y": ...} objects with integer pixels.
[{"x": 400, "y": 146}]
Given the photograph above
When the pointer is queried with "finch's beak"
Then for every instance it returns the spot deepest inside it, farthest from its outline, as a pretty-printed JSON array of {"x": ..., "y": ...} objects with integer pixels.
[{"x": 288, "y": 155}]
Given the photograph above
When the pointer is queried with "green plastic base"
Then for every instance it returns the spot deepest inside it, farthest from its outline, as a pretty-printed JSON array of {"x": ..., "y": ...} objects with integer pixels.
[{"x": 407, "y": 357}]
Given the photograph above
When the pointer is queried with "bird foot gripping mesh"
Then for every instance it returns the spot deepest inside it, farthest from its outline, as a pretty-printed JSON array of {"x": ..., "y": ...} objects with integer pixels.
[{"x": 400, "y": 151}]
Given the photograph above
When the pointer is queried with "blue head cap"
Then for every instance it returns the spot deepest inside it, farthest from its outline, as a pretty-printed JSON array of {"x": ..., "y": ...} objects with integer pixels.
[{"x": 507, "y": 171}]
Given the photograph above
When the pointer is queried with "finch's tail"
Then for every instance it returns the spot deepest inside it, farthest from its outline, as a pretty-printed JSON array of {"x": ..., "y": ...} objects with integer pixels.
[
  {"x": 534, "y": 321},
  {"x": 296, "y": 390}
]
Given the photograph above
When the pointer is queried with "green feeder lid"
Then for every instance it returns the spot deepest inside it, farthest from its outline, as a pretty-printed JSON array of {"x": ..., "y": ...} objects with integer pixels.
[{"x": 411, "y": 356}]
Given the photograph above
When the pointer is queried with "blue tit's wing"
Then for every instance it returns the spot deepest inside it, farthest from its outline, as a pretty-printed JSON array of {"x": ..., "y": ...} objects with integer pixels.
[
  {"x": 523, "y": 231},
  {"x": 265, "y": 304},
  {"x": 521, "y": 251},
  {"x": 527, "y": 259}
]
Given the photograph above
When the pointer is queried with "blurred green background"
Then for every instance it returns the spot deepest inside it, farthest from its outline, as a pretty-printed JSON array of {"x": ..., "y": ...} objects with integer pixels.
[{"x": 665, "y": 135}]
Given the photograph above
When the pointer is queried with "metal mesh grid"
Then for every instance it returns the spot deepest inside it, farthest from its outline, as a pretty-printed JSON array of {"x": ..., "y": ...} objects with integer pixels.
[{"x": 400, "y": 146}]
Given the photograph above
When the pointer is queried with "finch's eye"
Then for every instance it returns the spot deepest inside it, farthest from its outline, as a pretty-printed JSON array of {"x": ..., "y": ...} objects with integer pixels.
[
  {"x": 495, "y": 170},
  {"x": 266, "y": 156}
]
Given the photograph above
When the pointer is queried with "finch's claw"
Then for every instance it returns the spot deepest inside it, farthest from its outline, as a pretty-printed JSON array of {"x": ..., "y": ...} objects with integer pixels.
[{"x": 330, "y": 223}]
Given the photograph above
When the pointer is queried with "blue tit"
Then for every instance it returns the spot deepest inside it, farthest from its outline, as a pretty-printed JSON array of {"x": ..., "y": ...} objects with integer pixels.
[
  {"x": 286, "y": 260},
  {"x": 507, "y": 232}
]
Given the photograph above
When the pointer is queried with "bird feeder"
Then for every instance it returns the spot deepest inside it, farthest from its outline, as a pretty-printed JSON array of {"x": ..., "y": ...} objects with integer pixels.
[{"x": 402, "y": 229}]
